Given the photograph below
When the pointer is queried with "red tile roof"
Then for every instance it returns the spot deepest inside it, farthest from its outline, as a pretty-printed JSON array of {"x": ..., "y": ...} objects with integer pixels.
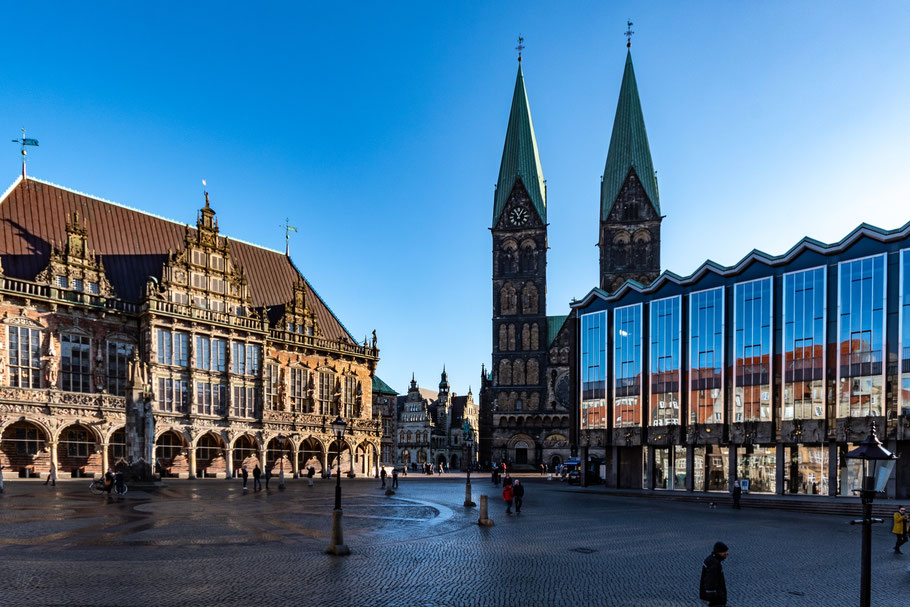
[{"x": 133, "y": 245}]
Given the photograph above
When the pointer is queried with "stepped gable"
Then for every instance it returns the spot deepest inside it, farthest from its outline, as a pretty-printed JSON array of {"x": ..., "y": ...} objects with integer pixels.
[{"x": 133, "y": 245}]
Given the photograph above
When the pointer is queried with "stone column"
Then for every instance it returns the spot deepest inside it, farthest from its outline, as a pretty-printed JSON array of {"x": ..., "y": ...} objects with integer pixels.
[
  {"x": 229, "y": 461},
  {"x": 779, "y": 470},
  {"x": 104, "y": 459},
  {"x": 192, "y": 458},
  {"x": 295, "y": 462},
  {"x": 53, "y": 448}
]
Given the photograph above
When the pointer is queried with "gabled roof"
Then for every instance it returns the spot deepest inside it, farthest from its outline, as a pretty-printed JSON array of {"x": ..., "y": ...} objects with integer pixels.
[
  {"x": 133, "y": 245},
  {"x": 380, "y": 386},
  {"x": 554, "y": 324},
  {"x": 519, "y": 157},
  {"x": 864, "y": 230},
  {"x": 628, "y": 147}
]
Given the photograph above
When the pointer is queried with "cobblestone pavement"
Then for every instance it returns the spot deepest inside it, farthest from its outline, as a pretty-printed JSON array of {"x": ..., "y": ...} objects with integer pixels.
[{"x": 207, "y": 543}]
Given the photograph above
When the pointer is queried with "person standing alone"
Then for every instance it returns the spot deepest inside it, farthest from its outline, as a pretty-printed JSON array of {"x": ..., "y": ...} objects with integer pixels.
[
  {"x": 52, "y": 476},
  {"x": 900, "y": 529},
  {"x": 713, "y": 586},
  {"x": 257, "y": 474},
  {"x": 394, "y": 478},
  {"x": 382, "y": 475},
  {"x": 518, "y": 494}
]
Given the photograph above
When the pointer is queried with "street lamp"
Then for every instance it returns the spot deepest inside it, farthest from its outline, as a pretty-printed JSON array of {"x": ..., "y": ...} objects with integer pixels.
[
  {"x": 878, "y": 463},
  {"x": 468, "y": 502},
  {"x": 338, "y": 546}
]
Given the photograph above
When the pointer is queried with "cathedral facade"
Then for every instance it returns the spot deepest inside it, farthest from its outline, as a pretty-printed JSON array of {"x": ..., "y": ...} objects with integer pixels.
[{"x": 130, "y": 338}]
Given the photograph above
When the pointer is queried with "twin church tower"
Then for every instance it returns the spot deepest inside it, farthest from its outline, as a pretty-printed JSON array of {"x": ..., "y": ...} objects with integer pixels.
[{"x": 525, "y": 397}]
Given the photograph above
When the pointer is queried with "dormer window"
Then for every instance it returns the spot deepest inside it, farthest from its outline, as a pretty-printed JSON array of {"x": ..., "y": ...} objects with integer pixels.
[
  {"x": 78, "y": 284},
  {"x": 198, "y": 257},
  {"x": 93, "y": 288},
  {"x": 216, "y": 262},
  {"x": 62, "y": 282}
]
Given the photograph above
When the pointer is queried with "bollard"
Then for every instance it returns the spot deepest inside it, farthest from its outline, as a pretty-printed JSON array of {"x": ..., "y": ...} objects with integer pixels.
[
  {"x": 468, "y": 502},
  {"x": 484, "y": 520},
  {"x": 388, "y": 490}
]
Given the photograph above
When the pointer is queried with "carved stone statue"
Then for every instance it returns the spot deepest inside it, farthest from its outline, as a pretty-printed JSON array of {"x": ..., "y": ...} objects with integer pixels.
[
  {"x": 466, "y": 429},
  {"x": 374, "y": 338}
]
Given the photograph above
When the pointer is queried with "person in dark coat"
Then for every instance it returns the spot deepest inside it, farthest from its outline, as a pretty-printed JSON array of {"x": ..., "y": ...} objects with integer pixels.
[
  {"x": 245, "y": 475},
  {"x": 507, "y": 480},
  {"x": 257, "y": 474},
  {"x": 713, "y": 586},
  {"x": 518, "y": 493},
  {"x": 268, "y": 475},
  {"x": 310, "y": 473},
  {"x": 395, "y": 478},
  {"x": 737, "y": 494},
  {"x": 382, "y": 475}
]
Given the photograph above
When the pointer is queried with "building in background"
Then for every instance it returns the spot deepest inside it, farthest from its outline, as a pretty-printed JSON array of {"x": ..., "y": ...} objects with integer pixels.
[
  {"x": 130, "y": 337},
  {"x": 385, "y": 410}
]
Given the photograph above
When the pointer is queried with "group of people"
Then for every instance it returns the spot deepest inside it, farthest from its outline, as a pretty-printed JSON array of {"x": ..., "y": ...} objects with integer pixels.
[
  {"x": 383, "y": 475},
  {"x": 498, "y": 471},
  {"x": 513, "y": 493}
]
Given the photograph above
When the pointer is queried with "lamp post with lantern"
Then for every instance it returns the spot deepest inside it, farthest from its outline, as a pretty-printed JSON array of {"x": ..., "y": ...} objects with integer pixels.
[
  {"x": 878, "y": 463},
  {"x": 338, "y": 547},
  {"x": 469, "y": 443}
]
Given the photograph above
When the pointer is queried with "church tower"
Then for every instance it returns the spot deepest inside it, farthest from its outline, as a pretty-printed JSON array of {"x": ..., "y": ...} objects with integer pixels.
[
  {"x": 519, "y": 229},
  {"x": 629, "y": 238}
]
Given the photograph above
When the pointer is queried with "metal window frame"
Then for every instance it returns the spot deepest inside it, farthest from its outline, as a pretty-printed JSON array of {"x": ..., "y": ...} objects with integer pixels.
[
  {"x": 612, "y": 408},
  {"x": 736, "y": 287},
  {"x": 678, "y": 299},
  {"x": 783, "y": 349},
  {"x": 693, "y": 356},
  {"x": 581, "y": 416}
]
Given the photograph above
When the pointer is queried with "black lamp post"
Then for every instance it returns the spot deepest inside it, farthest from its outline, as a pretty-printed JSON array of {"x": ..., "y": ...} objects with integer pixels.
[
  {"x": 468, "y": 502},
  {"x": 878, "y": 463},
  {"x": 338, "y": 546}
]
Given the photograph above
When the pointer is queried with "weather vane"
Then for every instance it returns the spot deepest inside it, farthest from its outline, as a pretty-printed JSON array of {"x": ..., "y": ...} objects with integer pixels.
[
  {"x": 520, "y": 47},
  {"x": 24, "y": 141},
  {"x": 288, "y": 228},
  {"x": 628, "y": 34}
]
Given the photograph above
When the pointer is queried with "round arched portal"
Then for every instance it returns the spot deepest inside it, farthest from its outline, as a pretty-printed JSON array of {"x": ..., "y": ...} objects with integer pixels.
[
  {"x": 23, "y": 449},
  {"x": 245, "y": 454},
  {"x": 310, "y": 456},
  {"x": 453, "y": 463},
  {"x": 555, "y": 461},
  {"x": 345, "y": 457},
  {"x": 279, "y": 454},
  {"x": 170, "y": 455},
  {"x": 116, "y": 450},
  {"x": 78, "y": 452},
  {"x": 210, "y": 457}
]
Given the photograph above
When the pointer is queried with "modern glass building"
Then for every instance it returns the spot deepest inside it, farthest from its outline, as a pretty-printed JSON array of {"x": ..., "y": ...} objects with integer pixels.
[{"x": 769, "y": 370}]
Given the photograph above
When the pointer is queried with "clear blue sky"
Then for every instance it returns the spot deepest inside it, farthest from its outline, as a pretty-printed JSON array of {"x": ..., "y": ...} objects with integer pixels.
[{"x": 378, "y": 129}]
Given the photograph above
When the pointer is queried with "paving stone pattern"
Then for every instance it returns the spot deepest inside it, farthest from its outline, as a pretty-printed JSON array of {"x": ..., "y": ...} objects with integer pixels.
[{"x": 208, "y": 543}]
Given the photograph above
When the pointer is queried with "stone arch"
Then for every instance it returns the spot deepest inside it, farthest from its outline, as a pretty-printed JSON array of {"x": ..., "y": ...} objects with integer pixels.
[
  {"x": 24, "y": 446},
  {"x": 171, "y": 453},
  {"x": 528, "y": 255},
  {"x": 116, "y": 446},
  {"x": 526, "y": 337},
  {"x": 533, "y": 372},
  {"x": 529, "y": 299},
  {"x": 518, "y": 373},
  {"x": 361, "y": 458},
  {"x": 310, "y": 454},
  {"x": 245, "y": 452},
  {"x": 79, "y": 450},
  {"x": 211, "y": 456},
  {"x": 621, "y": 248},
  {"x": 522, "y": 451},
  {"x": 346, "y": 466},
  {"x": 279, "y": 453},
  {"x": 508, "y": 257},
  {"x": 508, "y": 300},
  {"x": 642, "y": 236},
  {"x": 505, "y": 372}
]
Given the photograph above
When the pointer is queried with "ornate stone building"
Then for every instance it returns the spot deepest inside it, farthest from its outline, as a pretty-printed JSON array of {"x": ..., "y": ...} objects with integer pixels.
[
  {"x": 524, "y": 397},
  {"x": 130, "y": 336},
  {"x": 431, "y": 427}
]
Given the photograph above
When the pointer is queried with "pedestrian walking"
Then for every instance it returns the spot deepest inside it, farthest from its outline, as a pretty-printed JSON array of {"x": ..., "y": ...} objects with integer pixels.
[
  {"x": 1, "y": 479},
  {"x": 268, "y": 475},
  {"x": 518, "y": 494},
  {"x": 394, "y": 478},
  {"x": 382, "y": 475},
  {"x": 52, "y": 476},
  {"x": 508, "y": 496},
  {"x": 257, "y": 475},
  {"x": 901, "y": 527},
  {"x": 737, "y": 494},
  {"x": 713, "y": 586},
  {"x": 245, "y": 475},
  {"x": 310, "y": 473},
  {"x": 507, "y": 480}
]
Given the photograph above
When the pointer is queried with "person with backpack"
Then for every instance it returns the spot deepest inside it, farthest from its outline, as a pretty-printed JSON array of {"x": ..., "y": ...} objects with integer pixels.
[
  {"x": 713, "y": 586},
  {"x": 508, "y": 496}
]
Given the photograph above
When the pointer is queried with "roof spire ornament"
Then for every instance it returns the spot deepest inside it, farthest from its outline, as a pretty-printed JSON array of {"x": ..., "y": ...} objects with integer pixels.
[
  {"x": 628, "y": 34},
  {"x": 204, "y": 191},
  {"x": 24, "y": 141},
  {"x": 520, "y": 47},
  {"x": 288, "y": 228}
]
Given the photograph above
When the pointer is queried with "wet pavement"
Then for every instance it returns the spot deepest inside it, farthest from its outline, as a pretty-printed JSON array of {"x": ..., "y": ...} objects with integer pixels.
[{"x": 206, "y": 542}]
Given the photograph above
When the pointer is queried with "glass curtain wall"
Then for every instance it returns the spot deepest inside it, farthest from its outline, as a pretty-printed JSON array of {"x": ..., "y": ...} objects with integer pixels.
[
  {"x": 662, "y": 469},
  {"x": 666, "y": 336},
  {"x": 752, "y": 351},
  {"x": 904, "y": 403},
  {"x": 679, "y": 467},
  {"x": 706, "y": 342},
  {"x": 861, "y": 333},
  {"x": 806, "y": 470},
  {"x": 593, "y": 370},
  {"x": 627, "y": 366},
  {"x": 710, "y": 468},
  {"x": 758, "y": 465},
  {"x": 804, "y": 345}
]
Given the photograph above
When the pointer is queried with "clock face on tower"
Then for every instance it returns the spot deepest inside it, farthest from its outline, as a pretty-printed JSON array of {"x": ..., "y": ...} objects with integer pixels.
[{"x": 518, "y": 216}]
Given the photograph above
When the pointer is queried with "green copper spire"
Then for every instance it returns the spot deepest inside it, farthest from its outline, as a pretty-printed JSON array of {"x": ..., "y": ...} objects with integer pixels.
[
  {"x": 519, "y": 157},
  {"x": 628, "y": 147}
]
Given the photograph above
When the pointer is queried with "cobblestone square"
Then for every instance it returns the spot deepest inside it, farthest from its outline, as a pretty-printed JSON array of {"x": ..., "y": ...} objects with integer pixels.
[{"x": 208, "y": 543}]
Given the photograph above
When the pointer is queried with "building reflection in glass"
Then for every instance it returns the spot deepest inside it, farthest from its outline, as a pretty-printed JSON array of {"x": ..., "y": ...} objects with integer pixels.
[
  {"x": 627, "y": 366},
  {"x": 669, "y": 468},
  {"x": 804, "y": 345},
  {"x": 806, "y": 470},
  {"x": 710, "y": 468},
  {"x": 666, "y": 336},
  {"x": 706, "y": 342},
  {"x": 905, "y": 333},
  {"x": 861, "y": 298},
  {"x": 752, "y": 351},
  {"x": 758, "y": 465},
  {"x": 593, "y": 370}
]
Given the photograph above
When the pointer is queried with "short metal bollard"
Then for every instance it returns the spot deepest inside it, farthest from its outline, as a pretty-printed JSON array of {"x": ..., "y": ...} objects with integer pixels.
[{"x": 484, "y": 520}]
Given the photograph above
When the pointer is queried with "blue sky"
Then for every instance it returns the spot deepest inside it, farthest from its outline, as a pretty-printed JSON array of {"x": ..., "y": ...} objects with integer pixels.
[{"x": 377, "y": 128}]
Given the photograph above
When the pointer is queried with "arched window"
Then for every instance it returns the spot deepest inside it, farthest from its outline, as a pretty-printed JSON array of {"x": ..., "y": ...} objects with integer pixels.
[
  {"x": 505, "y": 373},
  {"x": 503, "y": 338},
  {"x": 409, "y": 437},
  {"x": 512, "y": 337},
  {"x": 526, "y": 337},
  {"x": 621, "y": 249},
  {"x": 533, "y": 372},
  {"x": 508, "y": 300},
  {"x": 529, "y": 299},
  {"x": 508, "y": 258},
  {"x": 535, "y": 401},
  {"x": 535, "y": 337},
  {"x": 518, "y": 372},
  {"x": 528, "y": 256}
]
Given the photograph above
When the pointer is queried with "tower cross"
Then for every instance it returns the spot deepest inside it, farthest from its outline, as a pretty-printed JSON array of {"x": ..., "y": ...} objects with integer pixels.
[
  {"x": 24, "y": 141},
  {"x": 288, "y": 228},
  {"x": 520, "y": 47},
  {"x": 628, "y": 34}
]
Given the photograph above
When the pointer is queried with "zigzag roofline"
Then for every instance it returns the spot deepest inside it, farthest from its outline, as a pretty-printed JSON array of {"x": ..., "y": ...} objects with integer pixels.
[{"x": 864, "y": 230}]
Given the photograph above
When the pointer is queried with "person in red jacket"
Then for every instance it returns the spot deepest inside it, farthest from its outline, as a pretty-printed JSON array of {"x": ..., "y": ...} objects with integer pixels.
[{"x": 507, "y": 495}]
